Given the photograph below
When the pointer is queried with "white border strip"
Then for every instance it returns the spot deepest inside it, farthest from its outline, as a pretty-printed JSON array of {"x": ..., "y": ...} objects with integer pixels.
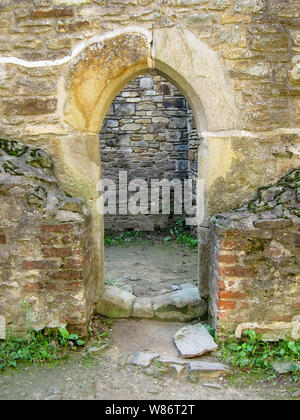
[{"x": 77, "y": 50}]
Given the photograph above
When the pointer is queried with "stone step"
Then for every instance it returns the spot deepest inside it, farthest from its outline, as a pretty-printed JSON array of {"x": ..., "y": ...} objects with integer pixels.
[{"x": 180, "y": 305}]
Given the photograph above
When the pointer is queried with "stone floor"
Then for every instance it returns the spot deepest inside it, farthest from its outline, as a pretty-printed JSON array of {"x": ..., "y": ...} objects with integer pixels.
[
  {"x": 152, "y": 280},
  {"x": 150, "y": 268}
]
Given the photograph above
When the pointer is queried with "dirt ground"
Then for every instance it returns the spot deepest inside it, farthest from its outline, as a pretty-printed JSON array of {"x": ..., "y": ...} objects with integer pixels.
[
  {"x": 151, "y": 267},
  {"x": 103, "y": 375}
]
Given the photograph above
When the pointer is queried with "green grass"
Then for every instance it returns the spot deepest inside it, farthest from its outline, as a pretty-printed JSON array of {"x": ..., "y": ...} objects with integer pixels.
[
  {"x": 182, "y": 235},
  {"x": 130, "y": 237},
  {"x": 179, "y": 233},
  {"x": 38, "y": 347},
  {"x": 255, "y": 355}
]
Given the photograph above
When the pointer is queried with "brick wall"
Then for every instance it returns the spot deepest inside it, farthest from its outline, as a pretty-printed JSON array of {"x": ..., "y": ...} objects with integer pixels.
[
  {"x": 46, "y": 253},
  {"x": 255, "y": 260}
]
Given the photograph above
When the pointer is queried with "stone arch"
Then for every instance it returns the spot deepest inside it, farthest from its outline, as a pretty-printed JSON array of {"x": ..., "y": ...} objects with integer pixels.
[{"x": 104, "y": 66}]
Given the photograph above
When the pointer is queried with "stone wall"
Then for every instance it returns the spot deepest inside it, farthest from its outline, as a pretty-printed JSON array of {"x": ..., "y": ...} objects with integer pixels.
[
  {"x": 254, "y": 264},
  {"x": 147, "y": 133},
  {"x": 46, "y": 270}
]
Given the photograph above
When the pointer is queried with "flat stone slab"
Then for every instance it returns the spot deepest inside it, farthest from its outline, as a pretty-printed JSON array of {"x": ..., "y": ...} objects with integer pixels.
[
  {"x": 180, "y": 305},
  {"x": 284, "y": 367},
  {"x": 207, "y": 369},
  {"x": 166, "y": 360},
  {"x": 115, "y": 303},
  {"x": 144, "y": 358},
  {"x": 193, "y": 341}
]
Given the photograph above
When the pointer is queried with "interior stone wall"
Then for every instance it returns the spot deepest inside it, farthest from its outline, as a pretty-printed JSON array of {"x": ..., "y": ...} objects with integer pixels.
[{"x": 147, "y": 132}]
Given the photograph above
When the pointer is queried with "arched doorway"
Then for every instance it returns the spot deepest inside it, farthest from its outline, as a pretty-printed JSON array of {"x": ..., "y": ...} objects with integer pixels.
[
  {"x": 147, "y": 140},
  {"x": 104, "y": 67}
]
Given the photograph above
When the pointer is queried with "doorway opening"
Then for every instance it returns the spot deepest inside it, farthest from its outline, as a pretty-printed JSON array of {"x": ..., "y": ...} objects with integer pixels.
[{"x": 149, "y": 135}]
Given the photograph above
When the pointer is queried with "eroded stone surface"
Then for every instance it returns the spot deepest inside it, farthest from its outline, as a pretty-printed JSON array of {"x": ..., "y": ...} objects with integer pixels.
[
  {"x": 207, "y": 369},
  {"x": 45, "y": 245},
  {"x": 193, "y": 340},
  {"x": 142, "y": 308},
  {"x": 182, "y": 305},
  {"x": 285, "y": 367},
  {"x": 115, "y": 303},
  {"x": 144, "y": 359},
  {"x": 256, "y": 268}
]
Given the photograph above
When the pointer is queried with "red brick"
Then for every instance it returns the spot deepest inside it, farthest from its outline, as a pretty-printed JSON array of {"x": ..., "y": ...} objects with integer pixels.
[
  {"x": 280, "y": 318},
  {"x": 37, "y": 264},
  {"x": 65, "y": 275},
  {"x": 72, "y": 286},
  {"x": 221, "y": 285},
  {"x": 234, "y": 244},
  {"x": 72, "y": 263},
  {"x": 49, "y": 239},
  {"x": 57, "y": 12},
  {"x": 67, "y": 239},
  {"x": 50, "y": 286},
  {"x": 57, "y": 252},
  {"x": 64, "y": 227},
  {"x": 228, "y": 259},
  {"x": 227, "y": 304},
  {"x": 236, "y": 271},
  {"x": 32, "y": 287},
  {"x": 2, "y": 239},
  {"x": 232, "y": 295}
]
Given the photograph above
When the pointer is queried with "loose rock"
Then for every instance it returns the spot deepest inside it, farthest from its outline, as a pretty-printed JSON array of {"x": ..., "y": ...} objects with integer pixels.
[
  {"x": 144, "y": 359},
  {"x": 207, "y": 369},
  {"x": 193, "y": 340}
]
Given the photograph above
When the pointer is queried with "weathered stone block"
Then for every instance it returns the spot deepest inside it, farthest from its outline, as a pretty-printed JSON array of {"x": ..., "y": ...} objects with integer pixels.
[
  {"x": 124, "y": 108},
  {"x": 29, "y": 106},
  {"x": 181, "y": 305},
  {"x": 56, "y": 13},
  {"x": 142, "y": 308},
  {"x": 115, "y": 303}
]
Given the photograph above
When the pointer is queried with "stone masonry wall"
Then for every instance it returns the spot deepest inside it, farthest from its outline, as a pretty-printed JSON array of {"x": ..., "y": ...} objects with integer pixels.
[
  {"x": 46, "y": 272},
  {"x": 256, "y": 42},
  {"x": 238, "y": 63},
  {"x": 254, "y": 267},
  {"x": 146, "y": 134}
]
